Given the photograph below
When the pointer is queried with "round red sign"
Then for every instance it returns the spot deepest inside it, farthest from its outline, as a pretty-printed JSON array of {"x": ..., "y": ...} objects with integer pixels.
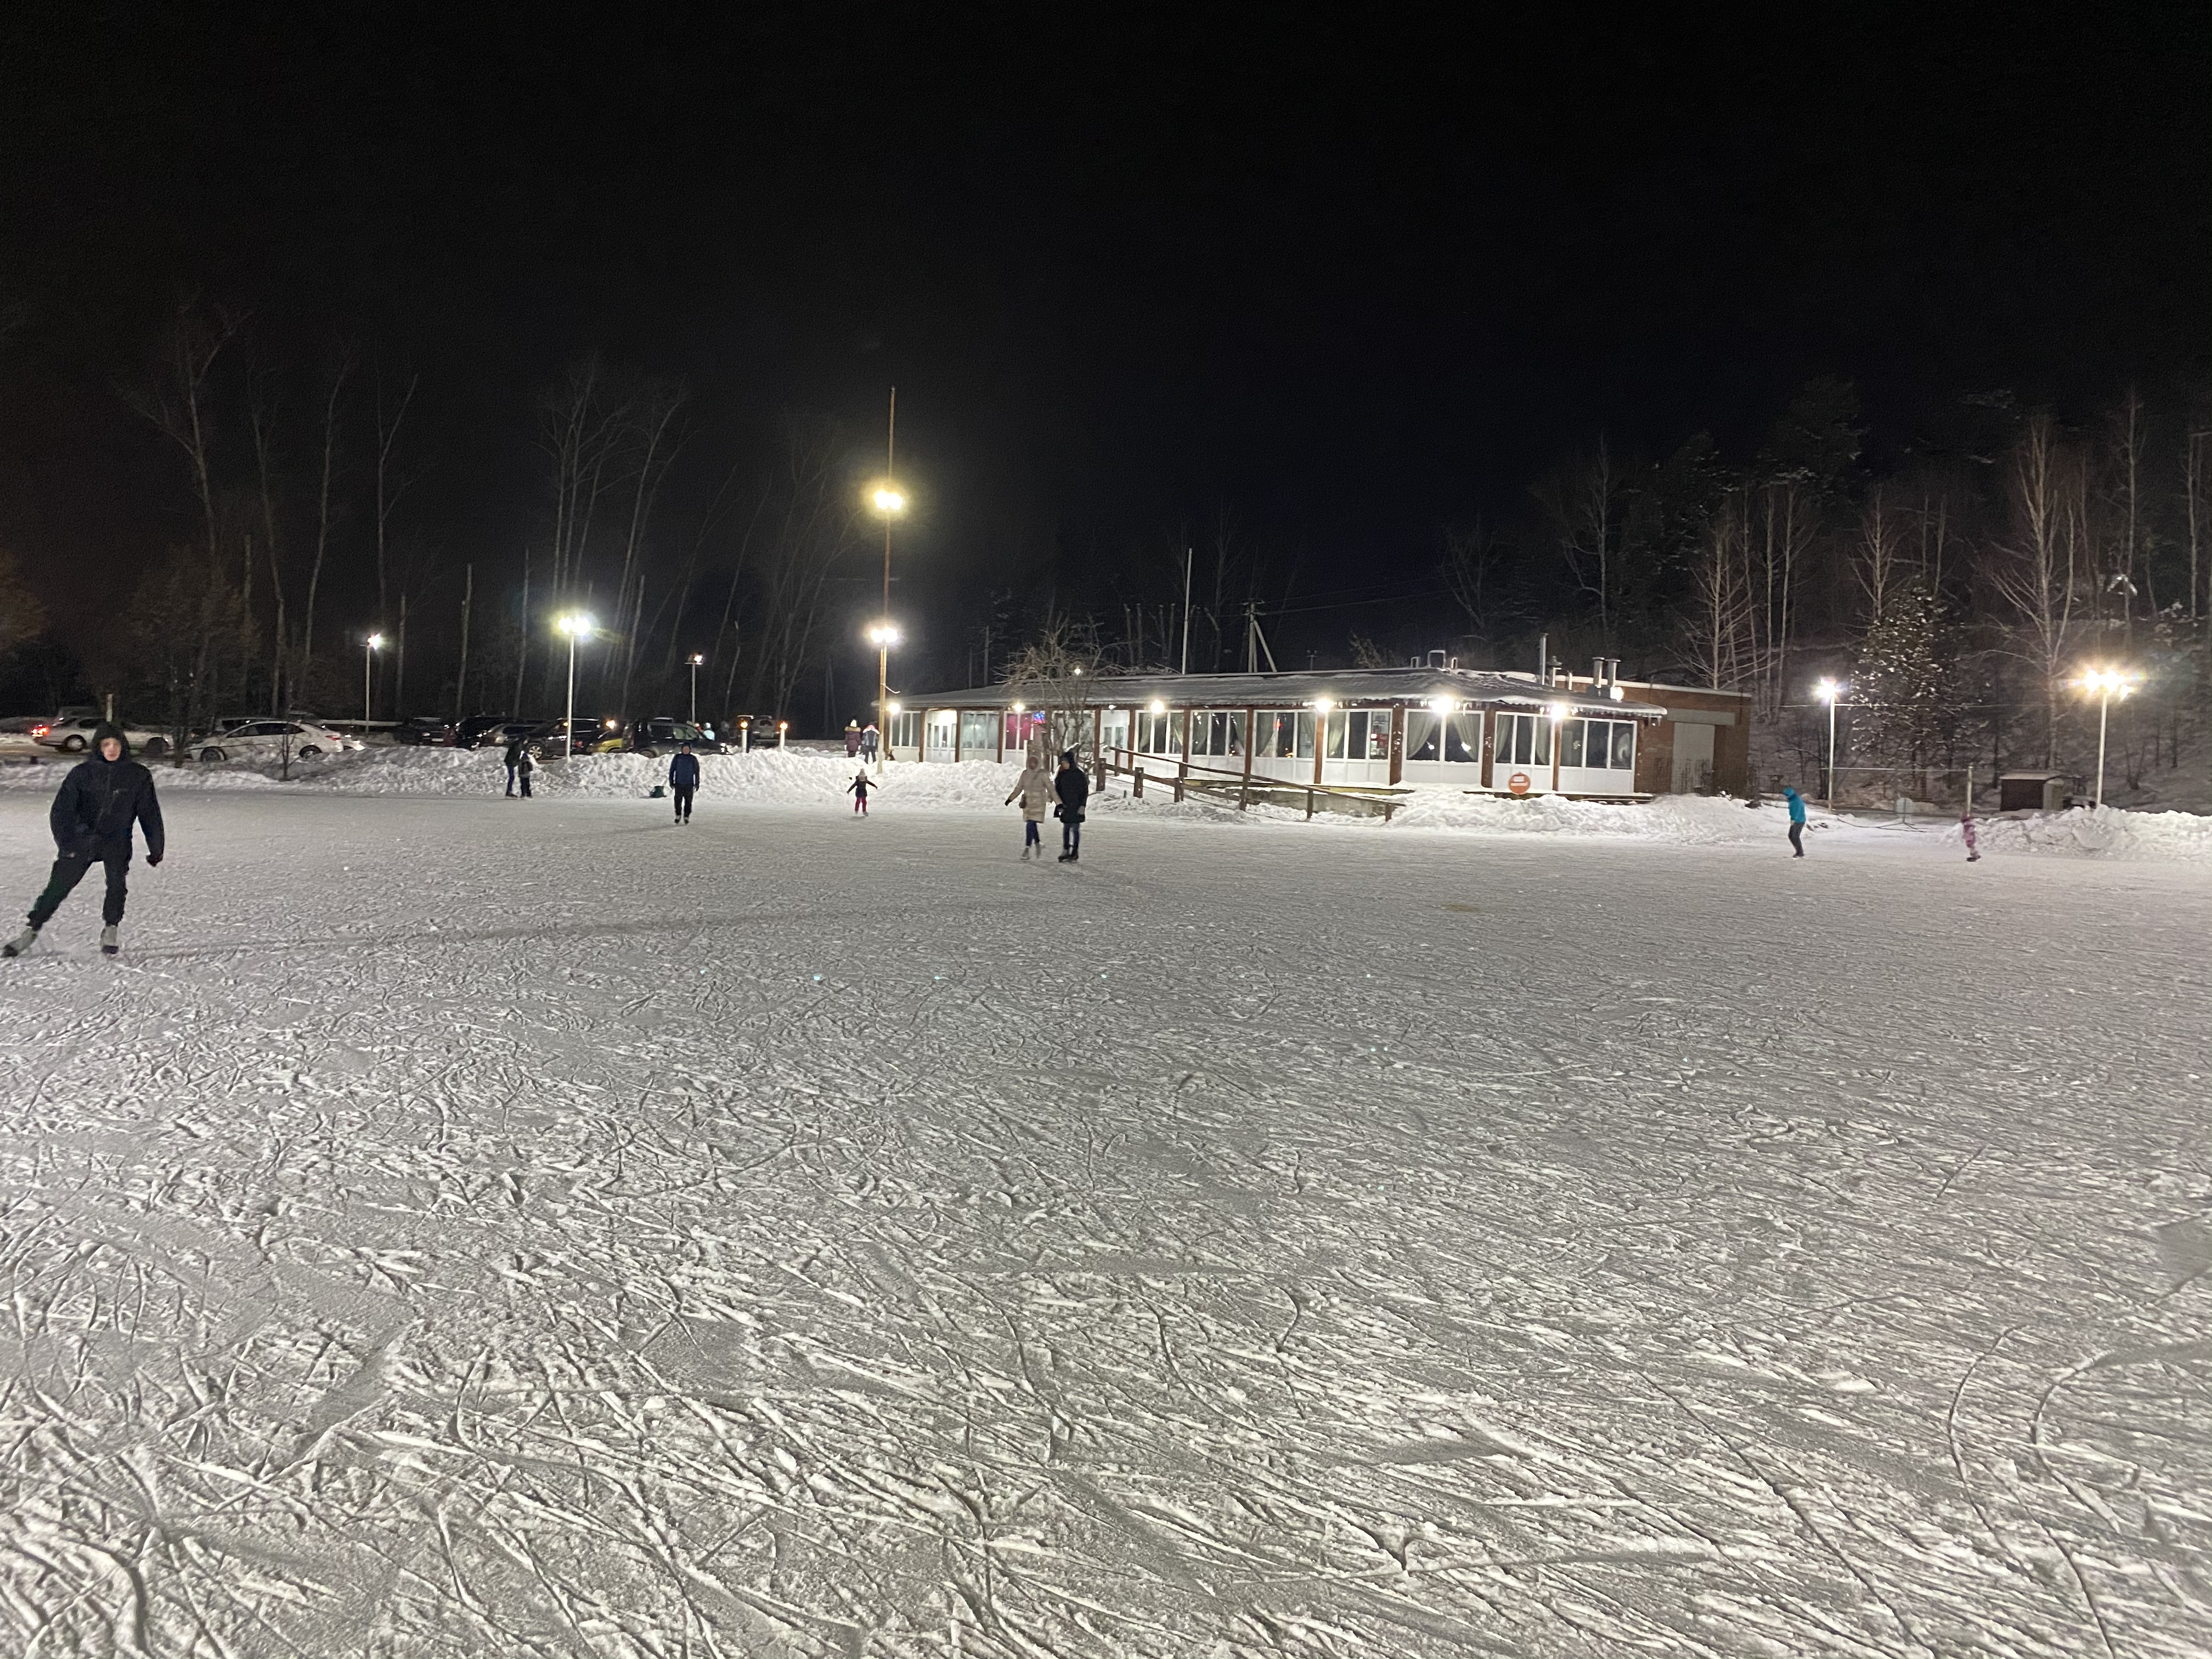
[{"x": 1518, "y": 783}]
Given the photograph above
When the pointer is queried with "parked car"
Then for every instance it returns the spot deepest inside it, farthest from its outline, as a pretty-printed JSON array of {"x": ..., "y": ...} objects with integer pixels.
[
  {"x": 481, "y": 730},
  {"x": 661, "y": 734},
  {"x": 267, "y": 740},
  {"x": 589, "y": 738},
  {"x": 425, "y": 732},
  {"x": 72, "y": 735}
]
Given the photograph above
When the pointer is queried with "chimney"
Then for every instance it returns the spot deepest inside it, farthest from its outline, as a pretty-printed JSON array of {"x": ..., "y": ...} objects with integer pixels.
[
  {"x": 1435, "y": 659},
  {"x": 1543, "y": 656},
  {"x": 1597, "y": 672}
]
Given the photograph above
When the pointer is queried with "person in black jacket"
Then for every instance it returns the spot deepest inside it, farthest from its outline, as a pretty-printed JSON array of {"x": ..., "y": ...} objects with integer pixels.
[
  {"x": 98, "y": 802},
  {"x": 1073, "y": 788},
  {"x": 519, "y": 765},
  {"x": 683, "y": 782}
]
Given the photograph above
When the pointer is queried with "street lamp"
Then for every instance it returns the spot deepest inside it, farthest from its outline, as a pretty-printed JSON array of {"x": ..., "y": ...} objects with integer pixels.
[
  {"x": 2108, "y": 683},
  {"x": 884, "y": 636},
  {"x": 1828, "y": 691},
  {"x": 889, "y": 500},
  {"x": 369, "y": 648},
  {"x": 577, "y": 626},
  {"x": 695, "y": 659}
]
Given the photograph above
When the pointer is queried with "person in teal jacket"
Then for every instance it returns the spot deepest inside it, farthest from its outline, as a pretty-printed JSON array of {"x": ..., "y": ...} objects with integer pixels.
[{"x": 1797, "y": 820}]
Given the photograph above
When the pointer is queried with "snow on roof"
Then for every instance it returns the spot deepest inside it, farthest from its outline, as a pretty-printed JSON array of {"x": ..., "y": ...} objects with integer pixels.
[{"x": 1349, "y": 686}]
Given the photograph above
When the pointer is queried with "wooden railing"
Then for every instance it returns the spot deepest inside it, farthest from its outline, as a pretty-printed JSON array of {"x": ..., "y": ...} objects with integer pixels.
[{"x": 1181, "y": 776}]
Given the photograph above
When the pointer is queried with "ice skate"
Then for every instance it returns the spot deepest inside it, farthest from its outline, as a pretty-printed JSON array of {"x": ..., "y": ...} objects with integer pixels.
[
  {"x": 21, "y": 943},
  {"x": 109, "y": 943}
]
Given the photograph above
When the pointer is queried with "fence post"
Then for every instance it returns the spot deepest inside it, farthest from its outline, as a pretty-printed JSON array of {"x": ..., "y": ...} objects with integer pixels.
[{"x": 1137, "y": 784}]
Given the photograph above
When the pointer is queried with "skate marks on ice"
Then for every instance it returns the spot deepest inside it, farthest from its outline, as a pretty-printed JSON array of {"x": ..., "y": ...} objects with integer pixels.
[{"x": 1148, "y": 1289}]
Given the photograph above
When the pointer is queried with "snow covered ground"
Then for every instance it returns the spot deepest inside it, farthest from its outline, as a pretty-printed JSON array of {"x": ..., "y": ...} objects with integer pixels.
[{"x": 461, "y": 1227}]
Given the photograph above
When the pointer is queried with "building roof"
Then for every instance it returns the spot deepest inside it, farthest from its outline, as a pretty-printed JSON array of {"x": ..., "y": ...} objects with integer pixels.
[{"x": 1348, "y": 686}]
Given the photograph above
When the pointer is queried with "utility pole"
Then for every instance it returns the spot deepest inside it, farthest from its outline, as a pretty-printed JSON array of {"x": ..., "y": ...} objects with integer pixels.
[
  {"x": 1187, "y": 555},
  {"x": 461, "y": 679}
]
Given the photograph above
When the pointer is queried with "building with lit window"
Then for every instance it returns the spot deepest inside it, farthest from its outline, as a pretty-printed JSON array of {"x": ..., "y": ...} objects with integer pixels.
[{"x": 1593, "y": 736}]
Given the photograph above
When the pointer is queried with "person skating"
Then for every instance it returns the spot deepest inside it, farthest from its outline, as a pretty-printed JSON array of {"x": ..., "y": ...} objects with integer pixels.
[
  {"x": 684, "y": 780},
  {"x": 1967, "y": 835},
  {"x": 517, "y": 766},
  {"x": 1073, "y": 786},
  {"x": 858, "y": 789},
  {"x": 98, "y": 802},
  {"x": 1034, "y": 789},
  {"x": 1797, "y": 820},
  {"x": 870, "y": 740}
]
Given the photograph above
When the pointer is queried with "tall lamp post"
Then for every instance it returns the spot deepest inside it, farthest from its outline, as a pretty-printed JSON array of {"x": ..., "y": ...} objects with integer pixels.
[
  {"x": 577, "y": 626},
  {"x": 882, "y": 636},
  {"x": 2108, "y": 683},
  {"x": 695, "y": 660},
  {"x": 890, "y": 501},
  {"x": 1828, "y": 691},
  {"x": 369, "y": 648}
]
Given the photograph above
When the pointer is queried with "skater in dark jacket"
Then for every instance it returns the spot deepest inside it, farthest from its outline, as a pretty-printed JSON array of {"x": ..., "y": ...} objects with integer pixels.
[
  {"x": 858, "y": 789},
  {"x": 97, "y": 804},
  {"x": 1073, "y": 788},
  {"x": 519, "y": 765},
  {"x": 683, "y": 782}
]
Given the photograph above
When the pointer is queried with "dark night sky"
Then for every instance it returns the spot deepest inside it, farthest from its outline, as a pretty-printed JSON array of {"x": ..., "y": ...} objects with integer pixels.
[{"x": 1357, "y": 277}]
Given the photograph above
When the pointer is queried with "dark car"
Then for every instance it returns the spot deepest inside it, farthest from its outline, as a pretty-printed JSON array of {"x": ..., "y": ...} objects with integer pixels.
[
  {"x": 662, "y": 734},
  {"x": 589, "y": 737},
  {"x": 425, "y": 731},
  {"x": 480, "y": 730}
]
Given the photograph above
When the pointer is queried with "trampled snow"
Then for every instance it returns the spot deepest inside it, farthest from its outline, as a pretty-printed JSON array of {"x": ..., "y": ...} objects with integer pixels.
[{"x": 460, "y": 1226}]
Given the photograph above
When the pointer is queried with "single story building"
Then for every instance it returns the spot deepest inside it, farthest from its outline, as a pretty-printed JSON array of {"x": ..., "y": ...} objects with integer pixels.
[{"x": 1594, "y": 736}]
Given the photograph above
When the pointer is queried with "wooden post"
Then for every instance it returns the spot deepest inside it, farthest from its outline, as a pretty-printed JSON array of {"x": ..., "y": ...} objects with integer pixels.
[
  {"x": 1182, "y": 761},
  {"x": 1003, "y": 714},
  {"x": 1397, "y": 743},
  {"x": 1097, "y": 732},
  {"x": 1137, "y": 783},
  {"x": 1321, "y": 744},
  {"x": 1558, "y": 735},
  {"x": 959, "y": 719},
  {"x": 1251, "y": 732}
]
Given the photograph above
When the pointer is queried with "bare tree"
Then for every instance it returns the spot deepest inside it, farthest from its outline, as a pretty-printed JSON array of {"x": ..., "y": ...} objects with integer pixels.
[
  {"x": 1470, "y": 558},
  {"x": 651, "y": 428},
  {"x": 1054, "y": 673},
  {"x": 811, "y": 524},
  {"x": 1582, "y": 503},
  {"x": 1721, "y": 621},
  {"x": 391, "y": 483},
  {"x": 2037, "y": 572},
  {"x": 264, "y": 408},
  {"x": 325, "y": 513}
]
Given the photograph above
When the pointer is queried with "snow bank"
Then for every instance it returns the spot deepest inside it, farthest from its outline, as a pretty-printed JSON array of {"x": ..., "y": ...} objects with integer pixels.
[{"x": 2108, "y": 832}]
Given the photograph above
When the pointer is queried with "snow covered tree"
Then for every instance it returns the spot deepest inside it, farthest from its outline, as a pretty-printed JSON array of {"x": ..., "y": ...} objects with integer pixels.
[{"x": 1898, "y": 686}]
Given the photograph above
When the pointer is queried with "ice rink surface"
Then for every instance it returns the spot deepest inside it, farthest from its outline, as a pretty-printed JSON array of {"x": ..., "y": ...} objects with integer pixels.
[{"x": 459, "y": 1227}]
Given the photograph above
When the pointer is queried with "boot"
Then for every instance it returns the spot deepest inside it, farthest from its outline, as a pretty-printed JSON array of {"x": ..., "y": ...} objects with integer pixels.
[
  {"x": 109, "y": 943},
  {"x": 21, "y": 943}
]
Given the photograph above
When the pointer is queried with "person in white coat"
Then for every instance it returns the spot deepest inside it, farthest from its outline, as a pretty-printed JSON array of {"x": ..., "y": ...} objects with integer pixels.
[{"x": 1033, "y": 790}]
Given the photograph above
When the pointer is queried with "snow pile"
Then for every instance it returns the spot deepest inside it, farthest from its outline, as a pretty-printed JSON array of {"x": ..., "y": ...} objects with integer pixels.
[
  {"x": 1694, "y": 819},
  {"x": 2109, "y": 832}
]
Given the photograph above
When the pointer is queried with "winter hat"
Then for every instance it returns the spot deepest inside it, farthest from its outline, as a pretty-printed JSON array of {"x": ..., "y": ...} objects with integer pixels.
[{"x": 105, "y": 729}]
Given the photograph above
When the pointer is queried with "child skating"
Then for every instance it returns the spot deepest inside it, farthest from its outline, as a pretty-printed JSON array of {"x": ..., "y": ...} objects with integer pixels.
[
  {"x": 858, "y": 789},
  {"x": 93, "y": 812}
]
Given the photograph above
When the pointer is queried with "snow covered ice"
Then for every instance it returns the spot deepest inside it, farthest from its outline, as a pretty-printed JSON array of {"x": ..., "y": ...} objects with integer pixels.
[{"x": 457, "y": 1226}]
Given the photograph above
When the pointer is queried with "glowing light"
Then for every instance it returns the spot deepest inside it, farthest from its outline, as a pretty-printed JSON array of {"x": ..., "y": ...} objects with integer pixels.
[
  {"x": 882, "y": 636},
  {"x": 1157, "y": 707},
  {"x": 376, "y": 642},
  {"x": 576, "y": 625},
  {"x": 1560, "y": 711},
  {"x": 894, "y": 707},
  {"x": 2110, "y": 682},
  {"x": 1019, "y": 706},
  {"x": 1828, "y": 690},
  {"x": 889, "y": 500},
  {"x": 1323, "y": 705},
  {"x": 697, "y": 661}
]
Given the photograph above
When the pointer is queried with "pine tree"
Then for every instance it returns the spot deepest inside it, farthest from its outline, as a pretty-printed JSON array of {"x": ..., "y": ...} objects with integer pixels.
[{"x": 1899, "y": 683}]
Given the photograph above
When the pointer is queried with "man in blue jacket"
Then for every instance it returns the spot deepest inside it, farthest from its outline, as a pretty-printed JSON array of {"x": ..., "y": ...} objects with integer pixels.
[
  {"x": 98, "y": 802},
  {"x": 683, "y": 782},
  {"x": 1797, "y": 820}
]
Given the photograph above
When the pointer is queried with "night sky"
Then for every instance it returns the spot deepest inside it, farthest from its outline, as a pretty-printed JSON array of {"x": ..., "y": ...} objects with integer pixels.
[{"x": 1353, "y": 278}]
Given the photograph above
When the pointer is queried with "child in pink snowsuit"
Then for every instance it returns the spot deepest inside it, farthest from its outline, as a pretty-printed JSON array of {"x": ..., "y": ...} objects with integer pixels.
[
  {"x": 858, "y": 790},
  {"x": 1967, "y": 834}
]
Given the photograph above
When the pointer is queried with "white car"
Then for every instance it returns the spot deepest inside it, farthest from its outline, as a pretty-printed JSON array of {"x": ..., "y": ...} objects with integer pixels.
[
  {"x": 72, "y": 735},
  {"x": 266, "y": 740}
]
